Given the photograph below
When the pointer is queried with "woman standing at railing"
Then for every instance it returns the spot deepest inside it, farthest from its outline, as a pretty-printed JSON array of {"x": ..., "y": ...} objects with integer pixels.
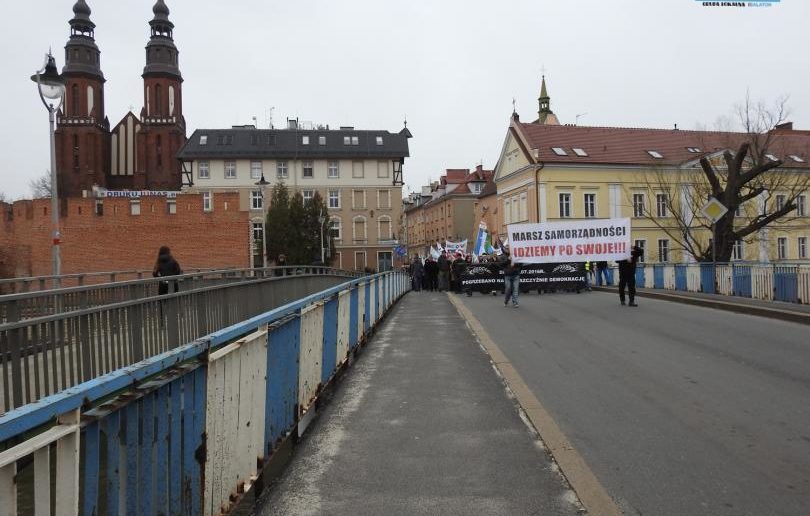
[{"x": 166, "y": 265}]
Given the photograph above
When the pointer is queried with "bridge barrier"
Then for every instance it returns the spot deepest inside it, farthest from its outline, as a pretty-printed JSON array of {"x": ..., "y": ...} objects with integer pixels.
[
  {"x": 44, "y": 355},
  {"x": 786, "y": 282},
  {"x": 188, "y": 431}
]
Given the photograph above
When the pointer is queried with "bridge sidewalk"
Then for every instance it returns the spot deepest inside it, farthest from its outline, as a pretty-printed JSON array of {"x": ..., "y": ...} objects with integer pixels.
[
  {"x": 773, "y": 309},
  {"x": 421, "y": 424}
]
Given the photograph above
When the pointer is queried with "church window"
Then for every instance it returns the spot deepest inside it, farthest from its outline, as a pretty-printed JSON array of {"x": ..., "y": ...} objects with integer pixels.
[
  {"x": 158, "y": 100},
  {"x": 74, "y": 100}
]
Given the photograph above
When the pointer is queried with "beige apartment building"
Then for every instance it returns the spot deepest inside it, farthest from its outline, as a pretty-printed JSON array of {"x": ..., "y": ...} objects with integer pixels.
[
  {"x": 445, "y": 210},
  {"x": 552, "y": 172},
  {"x": 357, "y": 173}
]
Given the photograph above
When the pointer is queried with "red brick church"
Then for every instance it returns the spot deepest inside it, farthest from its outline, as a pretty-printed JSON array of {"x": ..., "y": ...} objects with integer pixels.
[{"x": 139, "y": 152}]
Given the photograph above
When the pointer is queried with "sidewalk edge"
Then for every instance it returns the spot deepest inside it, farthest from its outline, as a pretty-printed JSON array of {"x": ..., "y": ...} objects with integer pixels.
[
  {"x": 761, "y": 311},
  {"x": 583, "y": 481}
]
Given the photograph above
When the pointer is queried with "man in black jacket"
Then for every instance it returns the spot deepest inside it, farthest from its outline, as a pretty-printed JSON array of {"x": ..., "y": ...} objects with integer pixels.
[
  {"x": 627, "y": 275},
  {"x": 511, "y": 278}
]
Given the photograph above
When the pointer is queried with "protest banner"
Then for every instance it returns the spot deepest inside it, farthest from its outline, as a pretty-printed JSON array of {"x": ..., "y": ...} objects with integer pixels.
[
  {"x": 486, "y": 278},
  {"x": 570, "y": 241}
]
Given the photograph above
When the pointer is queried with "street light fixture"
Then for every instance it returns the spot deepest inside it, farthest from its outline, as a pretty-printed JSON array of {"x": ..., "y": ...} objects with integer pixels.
[
  {"x": 51, "y": 87},
  {"x": 321, "y": 220},
  {"x": 263, "y": 183}
]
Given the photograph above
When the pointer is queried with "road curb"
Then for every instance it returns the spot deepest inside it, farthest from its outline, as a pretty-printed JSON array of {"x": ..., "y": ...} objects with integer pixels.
[
  {"x": 761, "y": 311},
  {"x": 591, "y": 493}
]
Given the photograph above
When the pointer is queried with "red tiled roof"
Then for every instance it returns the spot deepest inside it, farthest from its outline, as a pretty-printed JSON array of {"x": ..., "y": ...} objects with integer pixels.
[{"x": 628, "y": 146}]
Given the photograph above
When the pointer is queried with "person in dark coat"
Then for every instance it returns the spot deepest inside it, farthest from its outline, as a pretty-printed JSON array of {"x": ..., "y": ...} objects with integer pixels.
[
  {"x": 601, "y": 273},
  {"x": 431, "y": 273},
  {"x": 627, "y": 275},
  {"x": 457, "y": 269},
  {"x": 166, "y": 265},
  {"x": 444, "y": 272},
  {"x": 280, "y": 263},
  {"x": 417, "y": 273}
]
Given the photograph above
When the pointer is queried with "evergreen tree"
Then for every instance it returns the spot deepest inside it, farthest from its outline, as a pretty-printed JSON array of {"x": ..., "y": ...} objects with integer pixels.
[
  {"x": 300, "y": 248},
  {"x": 278, "y": 227}
]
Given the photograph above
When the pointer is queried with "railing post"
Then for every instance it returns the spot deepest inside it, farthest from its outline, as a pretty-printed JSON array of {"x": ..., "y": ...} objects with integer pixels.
[{"x": 67, "y": 467}]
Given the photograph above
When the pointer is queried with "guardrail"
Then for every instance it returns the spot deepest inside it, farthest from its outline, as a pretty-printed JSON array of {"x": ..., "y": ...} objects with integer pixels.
[
  {"x": 188, "y": 431},
  {"x": 44, "y": 355},
  {"x": 34, "y": 283},
  {"x": 768, "y": 282},
  {"x": 28, "y": 305}
]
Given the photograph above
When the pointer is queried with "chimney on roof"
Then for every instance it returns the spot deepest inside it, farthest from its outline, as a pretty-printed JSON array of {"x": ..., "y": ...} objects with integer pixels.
[
  {"x": 787, "y": 126},
  {"x": 676, "y": 127}
]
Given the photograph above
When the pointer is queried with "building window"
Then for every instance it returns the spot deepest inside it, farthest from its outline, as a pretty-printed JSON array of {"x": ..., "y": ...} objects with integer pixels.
[
  {"x": 208, "y": 205},
  {"x": 204, "y": 139},
  {"x": 590, "y": 205},
  {"x": 359, "y": 228},
  {"x": 641, "y": 244},
  {"x": 357, "y": 170},
  {"x": 379, "y": 140},
  {"x": 737, "y": 251},
  {"x": 359, "y": 199},
  {"x": 308, "y": 169},
  {"x": 507, "y": 211},
  {"x": 359, "y": 260},
  {"x": 171, "y": 206},
  {"x": 565, "y": 205},
  {"x": 384, "y": 199},
  {"x": 257, "y": 232},
  {"x": 780, "y": 202},
  {"x": 333, "y": 169},
  {"x": 580, "y": 152},
  {"x": 522, "y": 207},
  {"x": 256, "y": 169},
  {"x": 781, "y": 248},
  {"x": 347, "y": 140},
  {"x": 321, "y": 140},
  {"x": 230, "y": 170},
  {"x": 135, "y": 207},
  {"x": 256, "y": 199},
  {"x": 159, "y": 150},
  {"x": 384, "y": 227},
  {"x": 661, "y": 205},
  {"x": 305, "y": 140},
  {"x": 203, "y": 172},
  {"x": 803, "y": 248},
  {"x": 638, "y": 205},
  {"x": 801, "y": 205},
  {"x": 559, "y": 151},
  {"x": 655, "y": 154},
  {"x": 334, "y": 198},
  {"x": 663, "y": 250},
  {"x": 382, "y": 169},
  {"x": 334, "y": 228},
  {"x": 355, "y": 140},
  {"x": 281, "y": 170}
]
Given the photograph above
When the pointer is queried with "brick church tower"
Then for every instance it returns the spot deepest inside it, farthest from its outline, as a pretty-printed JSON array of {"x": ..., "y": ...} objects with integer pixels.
[
  {"x": 83, "y": 131},
  {"x": 163, "y": 127}
]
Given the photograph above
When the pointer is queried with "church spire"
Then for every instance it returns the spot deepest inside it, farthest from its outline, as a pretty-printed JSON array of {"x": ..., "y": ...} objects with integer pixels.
[
  {"x": 161, "y": 54},
  {"x": 82, "y": 56},
  {"x": 545, "y": 115}
]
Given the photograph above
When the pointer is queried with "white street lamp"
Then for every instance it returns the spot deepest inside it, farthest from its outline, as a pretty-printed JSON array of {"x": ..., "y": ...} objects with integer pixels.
[
  {"x": 263, "y": 183},
  {"x": 51, "y": 87}
]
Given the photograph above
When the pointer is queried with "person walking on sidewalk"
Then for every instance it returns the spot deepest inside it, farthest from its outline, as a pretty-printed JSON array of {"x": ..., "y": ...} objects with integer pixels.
[
  {"x": 166, "y": 265},
  {"x": 602, "y": 273},
  {"x": 417, "y": 273},
  {"x": 444, "y": 272},
  {"x": 511, "y": 279},
  {"x": 627, "y": 275}
]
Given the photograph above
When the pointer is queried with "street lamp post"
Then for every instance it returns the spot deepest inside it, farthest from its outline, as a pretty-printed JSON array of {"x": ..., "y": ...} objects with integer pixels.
[
  {"x": 51, "y": 87},
  {"x": 321, "y": 220},
  {"x": 263, "y": 183}
]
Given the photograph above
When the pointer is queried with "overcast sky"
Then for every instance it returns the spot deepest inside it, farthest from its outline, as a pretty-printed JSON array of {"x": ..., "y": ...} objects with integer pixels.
[{"x": 451, "y": 66}]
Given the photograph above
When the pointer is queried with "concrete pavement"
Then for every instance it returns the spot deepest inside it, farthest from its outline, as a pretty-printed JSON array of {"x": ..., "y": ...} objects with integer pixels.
[{"x": 421, "y": 424}]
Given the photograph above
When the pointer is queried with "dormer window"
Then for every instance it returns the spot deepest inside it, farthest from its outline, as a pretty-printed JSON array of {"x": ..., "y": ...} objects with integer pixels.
[
  {"x": 305, "y": 140},
  {"x": 204, "y": 139},
  {"x": 321, "y": 140},
  {"x": 796, "y": 158},
  {"x": 355, "y": 140},
  {"x": 693, "y": 150},
  {"x": 655, "y": 154},
  {"x": 559, "y": 151},
  {"x": 771, "y": 157},
  {"x": 580, "y": 152},
  {"x": 379, "y": 140}
]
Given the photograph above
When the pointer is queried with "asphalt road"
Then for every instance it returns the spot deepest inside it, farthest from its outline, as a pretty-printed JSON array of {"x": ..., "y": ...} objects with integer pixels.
[
  {"x": 678, "y": 410},
  {"x": 421, "y": 424}
]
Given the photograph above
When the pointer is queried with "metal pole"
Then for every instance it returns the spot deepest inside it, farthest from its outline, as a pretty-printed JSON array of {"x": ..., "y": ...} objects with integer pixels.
[
  {"x": 322, "y": 249},
  {"x": 56, "y": 256},
  {"x": 264, "y": 229},
  {"x": 714, "y": 244}
]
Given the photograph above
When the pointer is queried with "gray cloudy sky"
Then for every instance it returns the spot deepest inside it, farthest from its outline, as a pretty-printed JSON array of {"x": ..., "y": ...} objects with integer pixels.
[{"x": 451, "y": 66}]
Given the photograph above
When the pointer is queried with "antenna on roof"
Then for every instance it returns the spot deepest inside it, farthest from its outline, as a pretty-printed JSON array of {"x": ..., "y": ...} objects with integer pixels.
[
  {"x": 576, "y": 119},
  {"x": 514, "y": 106}
]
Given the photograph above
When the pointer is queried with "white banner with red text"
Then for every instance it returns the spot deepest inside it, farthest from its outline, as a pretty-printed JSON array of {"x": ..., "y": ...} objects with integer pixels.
[{"x": 570, "y": 241}]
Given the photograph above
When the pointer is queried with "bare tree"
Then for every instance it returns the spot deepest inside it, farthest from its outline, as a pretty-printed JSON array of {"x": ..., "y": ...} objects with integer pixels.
[
  {"x": 41, "y": 186},
  {"x": 4, "y": 197},
  {"x": 750, "y": 182}
]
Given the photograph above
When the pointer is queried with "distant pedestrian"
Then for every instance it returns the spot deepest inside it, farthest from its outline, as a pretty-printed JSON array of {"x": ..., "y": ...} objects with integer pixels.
[
  {"x": 417, "y": 273},
  {"x": 431, "y": 274},
  {"x": 602, "y": 273},
  {"x": 165, "y": 266},
  {"x": 627, "y": 275},
  {"x": 511, "y": 278},
  {"x": 444, "y": 272},
  {"x": 588, "y": 274},
  {"x": 281, "y": 262}
]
